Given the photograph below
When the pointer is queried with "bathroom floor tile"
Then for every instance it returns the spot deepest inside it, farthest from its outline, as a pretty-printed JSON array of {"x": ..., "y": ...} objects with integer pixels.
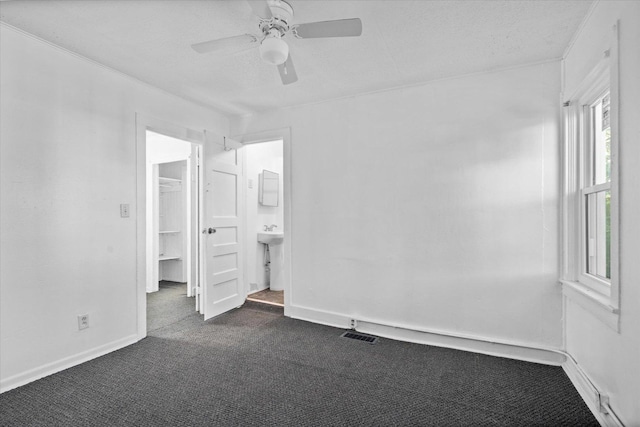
[{"x": 268, "y": 296}]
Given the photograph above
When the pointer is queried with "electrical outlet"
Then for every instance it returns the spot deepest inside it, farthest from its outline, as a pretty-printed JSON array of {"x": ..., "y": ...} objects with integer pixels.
[
  {"x": 83, "y": 321},
  {"x": 124, "y": 210}
]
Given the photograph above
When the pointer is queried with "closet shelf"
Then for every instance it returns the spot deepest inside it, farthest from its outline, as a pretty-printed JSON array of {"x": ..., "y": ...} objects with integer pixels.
[
  {"x": 170, "y": 220},
  {"x": 171, "y": 183}
]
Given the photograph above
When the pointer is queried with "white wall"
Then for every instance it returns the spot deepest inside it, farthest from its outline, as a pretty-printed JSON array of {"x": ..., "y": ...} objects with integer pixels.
[
  {"x": 165, "y": 149},
  {"x": 609, "y": 358},
  {"x": 434, "y": 206},
  {"x": 68, "y": 142},
  {"x": 260, "y": 156}
]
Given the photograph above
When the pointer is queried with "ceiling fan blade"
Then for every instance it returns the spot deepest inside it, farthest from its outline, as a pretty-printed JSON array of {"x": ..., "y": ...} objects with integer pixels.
[
  {"x": 234, "y": 43},
  {"x": 260, "y": 8},
  {"x": 288, "y": 72},
  {"x": 338, "y": 28}
]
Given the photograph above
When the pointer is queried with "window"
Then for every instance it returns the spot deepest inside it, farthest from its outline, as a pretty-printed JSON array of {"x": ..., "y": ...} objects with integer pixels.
[
  {"x": 596, "y": 192},
  {"x": 590, "y": 193}
]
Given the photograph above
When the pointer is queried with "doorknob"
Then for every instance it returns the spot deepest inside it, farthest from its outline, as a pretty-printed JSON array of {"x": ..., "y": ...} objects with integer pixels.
[{"x": 208, "y": 230}]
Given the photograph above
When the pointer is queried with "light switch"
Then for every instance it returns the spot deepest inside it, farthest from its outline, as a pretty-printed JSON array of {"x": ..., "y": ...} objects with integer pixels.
[
  {"x": 124, "y": 210},
  {"x": 250, "y": 183}
]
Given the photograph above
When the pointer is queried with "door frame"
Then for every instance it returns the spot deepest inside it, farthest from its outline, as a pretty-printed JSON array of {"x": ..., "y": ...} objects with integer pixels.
[
  {"x": 265, "y": 136},
  {"x": 143, "y": 124}
]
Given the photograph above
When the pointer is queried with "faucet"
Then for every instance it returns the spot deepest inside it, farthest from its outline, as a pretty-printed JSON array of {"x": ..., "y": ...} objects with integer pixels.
[{"x": 270, "y": 228}]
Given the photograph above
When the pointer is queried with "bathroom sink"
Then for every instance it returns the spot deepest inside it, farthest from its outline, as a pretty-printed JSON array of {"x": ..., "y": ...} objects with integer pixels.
[{"x": 270, "y": 237}]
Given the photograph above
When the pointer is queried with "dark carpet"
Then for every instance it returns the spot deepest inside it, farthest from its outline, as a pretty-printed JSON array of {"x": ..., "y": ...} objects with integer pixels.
[
  {"x": 255, "y": 367},
  {"x": 169, "y": 305}
]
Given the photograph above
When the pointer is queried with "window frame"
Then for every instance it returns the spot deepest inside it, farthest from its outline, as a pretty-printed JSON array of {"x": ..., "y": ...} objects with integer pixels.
[
  {"x": 600, "y": 297},
  {"x": 586, "y": 171}
]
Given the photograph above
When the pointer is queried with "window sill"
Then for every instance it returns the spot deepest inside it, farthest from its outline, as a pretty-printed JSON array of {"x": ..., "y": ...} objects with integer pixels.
[{"x": 594, "y": 302}]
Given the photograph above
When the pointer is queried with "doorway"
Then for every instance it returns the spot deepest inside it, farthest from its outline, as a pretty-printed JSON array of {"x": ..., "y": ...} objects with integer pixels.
[
  {"x": 264, "y": 221},
  {"x": 171, "y": 221},
  {"x": 218, "y": 221}
]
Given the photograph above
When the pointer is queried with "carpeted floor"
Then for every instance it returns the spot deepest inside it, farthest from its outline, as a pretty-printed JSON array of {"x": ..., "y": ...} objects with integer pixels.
[
  {"x": 169, "y": 305},
  {"x": 255, "y": 367}
]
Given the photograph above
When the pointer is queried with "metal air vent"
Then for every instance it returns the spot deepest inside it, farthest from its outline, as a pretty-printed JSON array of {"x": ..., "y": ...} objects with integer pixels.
[{"x": 360, "y": 337}]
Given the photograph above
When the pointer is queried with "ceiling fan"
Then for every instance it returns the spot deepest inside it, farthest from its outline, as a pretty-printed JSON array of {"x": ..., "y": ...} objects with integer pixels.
[{"x": 276, "y": 22}]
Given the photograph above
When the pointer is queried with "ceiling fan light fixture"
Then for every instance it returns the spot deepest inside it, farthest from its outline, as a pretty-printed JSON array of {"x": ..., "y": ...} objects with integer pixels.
[
  {"x": 274, "y": 50},
  {"x": 276, "y": 22}
]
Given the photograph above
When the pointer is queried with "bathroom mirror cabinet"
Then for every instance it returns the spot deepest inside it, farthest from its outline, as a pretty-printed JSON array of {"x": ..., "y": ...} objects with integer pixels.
[{"x": 269, "y": 188}]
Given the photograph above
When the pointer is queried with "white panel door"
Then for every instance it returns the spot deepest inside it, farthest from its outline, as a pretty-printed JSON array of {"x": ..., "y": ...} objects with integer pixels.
[{"x": 223, "y": 287}]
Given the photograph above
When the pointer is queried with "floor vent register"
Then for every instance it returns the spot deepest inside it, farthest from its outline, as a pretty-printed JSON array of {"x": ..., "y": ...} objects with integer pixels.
[{"x": 360, "y": 337}]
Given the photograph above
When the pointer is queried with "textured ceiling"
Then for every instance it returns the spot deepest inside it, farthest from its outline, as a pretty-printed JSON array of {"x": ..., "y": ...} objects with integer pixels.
[{"x": 403, "y": 43}]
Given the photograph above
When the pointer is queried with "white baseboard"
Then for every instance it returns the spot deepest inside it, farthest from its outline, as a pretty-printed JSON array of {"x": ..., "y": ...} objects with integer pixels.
[
  {"x": 65, "y": 363},
  {"x": 475, "y": 344},
  {"x": 318, "y": 316},
  {"x": 589, "y": 393}
]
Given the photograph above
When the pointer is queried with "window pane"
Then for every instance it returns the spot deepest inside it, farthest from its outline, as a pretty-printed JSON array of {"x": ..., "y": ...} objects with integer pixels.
[
  {"x": 599, "y": 234},
  {"x": 601, "y": 141}
]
